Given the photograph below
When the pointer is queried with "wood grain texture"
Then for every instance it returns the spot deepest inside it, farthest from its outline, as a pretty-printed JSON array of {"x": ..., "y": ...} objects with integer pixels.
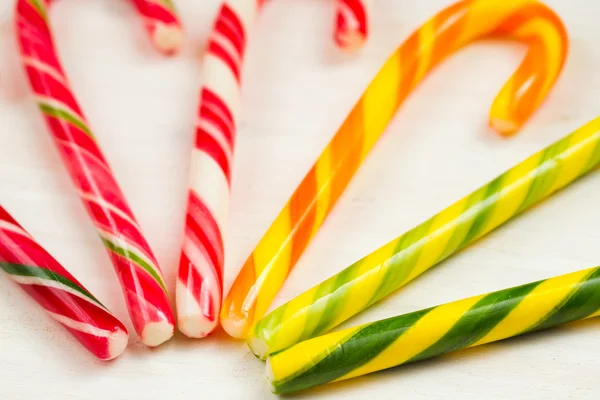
[{"x": 142, "y": 109}]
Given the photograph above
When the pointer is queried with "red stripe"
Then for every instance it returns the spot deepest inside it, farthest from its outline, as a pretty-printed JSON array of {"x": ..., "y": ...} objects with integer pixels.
[
  {"x": 208, "y": 97},
  {"x": 229, "y": 20},
  {"x": 155, "y": 11},
  {"x": 226, "y": 130},
  {"x": 5, "y": 216},
  {"x": 221, "y": 53},
  {"x": 67, "y": 133},
  {"x": 210, "y": 146},
  {"x": 190, "y": 277},
  {"x": 46, "y": 85}
]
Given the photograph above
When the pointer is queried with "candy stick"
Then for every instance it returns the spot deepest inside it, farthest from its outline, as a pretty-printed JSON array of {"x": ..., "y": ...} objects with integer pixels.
[
  {"x": 403, "y": 259},
  {"x": 351, "y": 24},
  {"x": 134, "y": 262},
  {"x": 58, "y": 292},
  {"x": 434, "y": 331},
  {"x": 266, "y": 269},
  {"x": 162, "y": 24}
]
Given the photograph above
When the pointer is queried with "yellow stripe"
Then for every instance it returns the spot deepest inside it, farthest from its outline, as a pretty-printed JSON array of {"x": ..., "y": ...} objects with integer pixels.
[
  {"x": 576, "y": 157},
  {"x": 371, "y": 270},
  {"x": 515, "y": 187},
  {"x": 323, "y": 175},
  {"x": 304, "y": 355},
  {"x": 380, "y": 102},
  {"x": 483, "y": 15},
  {"x": 535, "y": 306},
  {"x": 427, "y": 35},
  {"x": 426, "y": 332},
  {"x": 442, "y": 229},
  {"x": 272, "y": 268}
]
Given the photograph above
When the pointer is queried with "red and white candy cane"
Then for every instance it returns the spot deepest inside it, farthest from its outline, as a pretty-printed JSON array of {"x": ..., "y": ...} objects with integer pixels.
[
  {"x": 58, "y": 292},
  {"x": 200, "y": 279},
  {"x": 162, "y": 23},
  {"x": 134, "y": 262},
  {"x": 350, "y": 24}
]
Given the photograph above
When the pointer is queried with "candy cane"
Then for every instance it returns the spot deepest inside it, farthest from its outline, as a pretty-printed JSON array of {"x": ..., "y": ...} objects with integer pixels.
[
  {"x": 434, "y": 331},
  {"x": 162, "y": 24},
  {"x": 135, "y": 264},
  {"x": 266, "y": 269},
  {"x": 58, "y": 292},
  {"x": 405, "y": 258},
  {"x": 351, "y": 24},
  {"x": 200, "y": 278}
]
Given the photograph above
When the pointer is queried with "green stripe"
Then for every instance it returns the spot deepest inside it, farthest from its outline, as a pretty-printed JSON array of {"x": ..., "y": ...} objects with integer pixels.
[
  {"x": 478, "y": 321},
  {"x": 40, "y": 8},
  {"x": 46, "y": 274},
  {"x": 54, "y": 112},
  {"x": 400, "y": 265},
  {"x": 594, "y": 159},
  {"x": 485, "y": 209},
  {"x": 361, "y": 348},
  {"x": 136, "y": 259},
  {"x": 582, "y": 303},
  {"x": 169, "y": 5}
]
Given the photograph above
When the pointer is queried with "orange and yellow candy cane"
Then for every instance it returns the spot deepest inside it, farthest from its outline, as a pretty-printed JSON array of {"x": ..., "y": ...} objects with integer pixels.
[{"x": 528, "y": 21}]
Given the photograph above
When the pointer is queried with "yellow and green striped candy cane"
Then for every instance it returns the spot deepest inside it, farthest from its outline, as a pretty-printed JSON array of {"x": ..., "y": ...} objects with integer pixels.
[
  {"x": 528, "y": 21},
  {"x": 403, "y": 259},
  {"x": 438, "y": 330}
]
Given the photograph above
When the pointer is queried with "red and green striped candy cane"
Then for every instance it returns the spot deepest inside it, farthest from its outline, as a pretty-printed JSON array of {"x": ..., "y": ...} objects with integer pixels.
[
  {"x": 58, "y": 292},
  {"x": 200, "y": 278},
  {"x": 135, "y": 264}
]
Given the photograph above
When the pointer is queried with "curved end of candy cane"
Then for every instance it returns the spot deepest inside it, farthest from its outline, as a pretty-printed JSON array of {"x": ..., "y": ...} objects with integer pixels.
[
  {"x": 156, "y": 333},
  {"x": 350, "y": 25},
  {"x": 193, "y": 319},
  {"x": 196, "y": 326},
  {"x": 168, "y": 39},
  {"x": 117, "y": 343},
  {"x": 259, "y": 347}
]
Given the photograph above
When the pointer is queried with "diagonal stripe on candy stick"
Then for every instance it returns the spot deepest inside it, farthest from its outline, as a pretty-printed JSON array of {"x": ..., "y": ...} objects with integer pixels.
[
  {"x": 138, "y": 271},
  {"x": 528, "y": 21},
  {"x": 65, "y": 299}
]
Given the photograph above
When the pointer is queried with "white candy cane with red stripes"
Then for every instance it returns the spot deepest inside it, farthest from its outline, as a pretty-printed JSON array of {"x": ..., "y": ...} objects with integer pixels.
[
  {"x": 58, "y": 292},
  {"x": 200, "y": 279}
]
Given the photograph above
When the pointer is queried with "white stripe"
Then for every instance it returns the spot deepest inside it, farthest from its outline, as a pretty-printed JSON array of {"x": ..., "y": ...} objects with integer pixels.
[
  {"x": 105, "y": 204},
  {"x": 209, "y": 183},
  {"x": 37, "y": 281},
  {"x": 80, "y": 326},
  {"x": 220, "y": 79},
  {"x": 7, "y": 226},
  {"x": 48, "y": 69},
  {"x": 205, "y": 269},
  {"x": 216, "y": 134},
  {"x": 218, "y": 110},
  {"x": 246, "y": 11},
  {"x": 122, "y": 243}
]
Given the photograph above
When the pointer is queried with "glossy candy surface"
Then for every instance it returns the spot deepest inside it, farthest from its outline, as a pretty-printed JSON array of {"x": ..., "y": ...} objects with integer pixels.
[
  {"x": 434, "y": 331},
  {"x": 398, "y": 262},
  {"x": 58, "y": 292},
  {"x": 528, "y": 21}
]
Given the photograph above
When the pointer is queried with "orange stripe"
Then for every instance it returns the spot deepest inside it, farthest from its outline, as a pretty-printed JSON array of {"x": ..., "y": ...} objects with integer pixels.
[{"x": 303, "y": 212}]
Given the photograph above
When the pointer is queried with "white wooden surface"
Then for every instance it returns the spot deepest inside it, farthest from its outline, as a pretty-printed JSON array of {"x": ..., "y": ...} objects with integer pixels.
[{"x": 297, "y": 92}]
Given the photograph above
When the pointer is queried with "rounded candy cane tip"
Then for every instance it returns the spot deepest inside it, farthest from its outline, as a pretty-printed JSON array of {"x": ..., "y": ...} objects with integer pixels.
[
  {"x": 156, "y": 333},
  {"x": 235, "y": 326},
  {"x": 196, "y": 325},
  {"x": 259, "y": 347},
  {"x": 270, "y": 376},
  {"x": 168, "y": 38},
  {"x": 117, "y": 343},
  {"x": 503, "y": 127}
]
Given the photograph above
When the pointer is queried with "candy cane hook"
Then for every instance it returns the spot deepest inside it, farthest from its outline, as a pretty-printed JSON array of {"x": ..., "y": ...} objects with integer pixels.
[
  {"x": 528, "y": 21},
  {"x": 351, "y": 25},
  {"x": 134, "y": 262},
  {"x": 58, "y": 292}
]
